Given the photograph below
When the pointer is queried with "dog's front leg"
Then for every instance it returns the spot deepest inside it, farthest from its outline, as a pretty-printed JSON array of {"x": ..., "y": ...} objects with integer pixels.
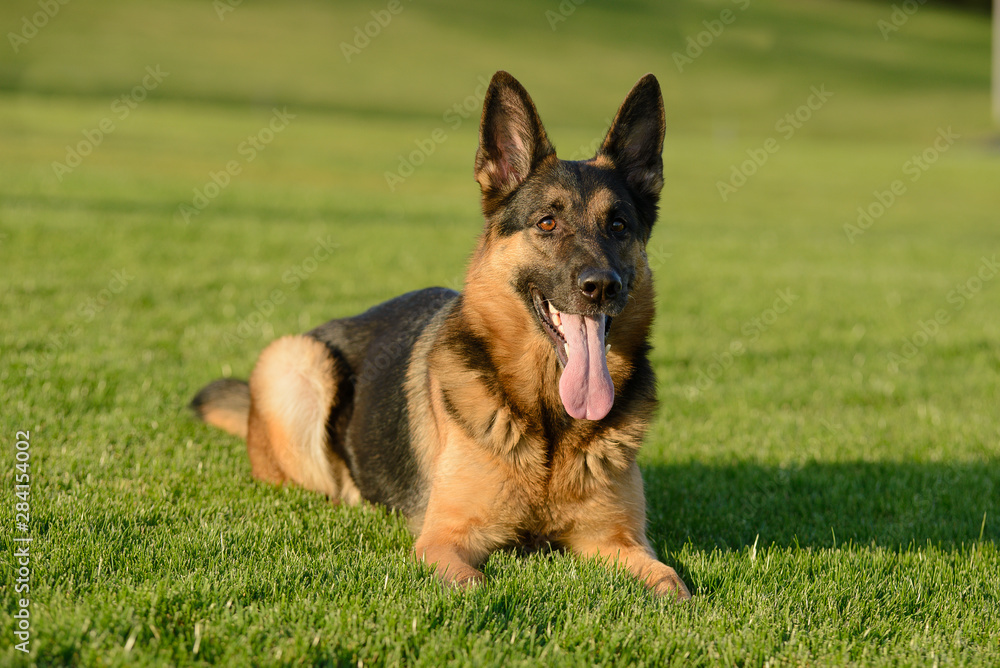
[
  {"x": 642, "y": 563},
  {"x": 458, "y": 534},
  {"x": 450, "y": 561},
  {"x": 611, "y": 526},
  {"x": 465, "y": 518}
]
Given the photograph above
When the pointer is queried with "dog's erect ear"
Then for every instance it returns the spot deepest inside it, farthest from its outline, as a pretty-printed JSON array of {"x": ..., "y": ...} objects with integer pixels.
[
  {"x": 512, "y": 140},
  {"x": 635, "y": 140}
]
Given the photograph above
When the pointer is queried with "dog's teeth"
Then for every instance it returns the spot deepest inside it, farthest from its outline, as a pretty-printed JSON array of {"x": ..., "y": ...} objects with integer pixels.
[
  {"x": 557, "y": 320},
  {"x": 607, "y": 349},
  {"x": 566, "y": 348}
]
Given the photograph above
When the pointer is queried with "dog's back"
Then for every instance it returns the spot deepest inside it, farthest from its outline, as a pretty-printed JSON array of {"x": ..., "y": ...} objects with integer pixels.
[
  {"x": 362, "y": 367},
  {"x": 371, "y": 430}
]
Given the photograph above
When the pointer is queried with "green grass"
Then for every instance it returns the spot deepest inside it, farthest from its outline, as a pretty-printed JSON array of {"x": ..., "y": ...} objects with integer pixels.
[{"x": 825, "y": 505}]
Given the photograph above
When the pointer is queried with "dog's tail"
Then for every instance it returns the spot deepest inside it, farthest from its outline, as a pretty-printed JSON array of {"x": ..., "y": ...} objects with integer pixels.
[{"x": 224, "y": 403}]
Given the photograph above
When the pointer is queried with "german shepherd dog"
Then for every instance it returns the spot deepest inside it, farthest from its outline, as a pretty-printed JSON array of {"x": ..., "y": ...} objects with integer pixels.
[{"x": 510, "y": 414}]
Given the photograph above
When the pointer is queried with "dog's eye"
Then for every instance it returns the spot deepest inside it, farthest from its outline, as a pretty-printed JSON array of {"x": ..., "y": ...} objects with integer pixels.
[
  {"x": 618, "y": 227},
  {"x": 547, "y": 224}
]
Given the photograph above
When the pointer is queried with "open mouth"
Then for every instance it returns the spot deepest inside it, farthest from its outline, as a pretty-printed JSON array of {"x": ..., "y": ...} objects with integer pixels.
[
  {"x": 552, "y": 322},
  {"x": 585, "y": 385}
]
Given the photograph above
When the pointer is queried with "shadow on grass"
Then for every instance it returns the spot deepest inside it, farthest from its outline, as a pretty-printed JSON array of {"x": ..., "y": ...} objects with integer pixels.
[{"x": 822, "y": 505}]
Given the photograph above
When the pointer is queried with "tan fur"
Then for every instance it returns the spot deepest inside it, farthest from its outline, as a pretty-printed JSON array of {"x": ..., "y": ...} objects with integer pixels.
[
  {"x": 235, "y": 422},
  {"x": 603, "y": 162},
  {"x": 424, "y": 435},
  {"x": 292, "y": 390}
]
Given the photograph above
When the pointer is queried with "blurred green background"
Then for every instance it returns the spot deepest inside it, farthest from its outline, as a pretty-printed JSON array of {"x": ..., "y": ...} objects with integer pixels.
[{"x": 148, "y": 246}]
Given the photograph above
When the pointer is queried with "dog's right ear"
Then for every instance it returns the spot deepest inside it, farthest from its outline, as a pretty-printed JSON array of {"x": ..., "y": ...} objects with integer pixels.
[{"x": 512, "y": 140}]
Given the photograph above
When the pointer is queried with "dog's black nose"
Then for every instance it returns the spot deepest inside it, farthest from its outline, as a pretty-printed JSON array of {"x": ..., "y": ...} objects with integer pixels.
[{"x": 599, "y": 285}]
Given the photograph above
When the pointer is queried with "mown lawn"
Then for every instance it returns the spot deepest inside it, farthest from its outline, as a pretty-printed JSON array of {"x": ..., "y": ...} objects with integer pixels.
[{"x": 824, "y": 469}]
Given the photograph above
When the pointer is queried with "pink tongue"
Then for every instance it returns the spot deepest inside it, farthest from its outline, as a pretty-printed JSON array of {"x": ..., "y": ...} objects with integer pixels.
[{"x": 585, "y": 386}]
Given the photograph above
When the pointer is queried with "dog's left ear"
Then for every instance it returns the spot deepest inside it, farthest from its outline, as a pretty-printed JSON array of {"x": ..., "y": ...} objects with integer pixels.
[
  {"x": 635, "y": 141},
  {"x": 512, "y": 140}
]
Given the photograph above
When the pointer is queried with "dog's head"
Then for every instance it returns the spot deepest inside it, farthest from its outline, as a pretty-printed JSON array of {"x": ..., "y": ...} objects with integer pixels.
[{"x": 573, "y": 232}]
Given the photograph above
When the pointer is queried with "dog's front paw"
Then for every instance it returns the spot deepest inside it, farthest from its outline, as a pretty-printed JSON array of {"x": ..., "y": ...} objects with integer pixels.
[
  {"x": 664, "y": 581},
  {"x": 449, "y": 565},
  {"x": 460, "y": 576}
]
